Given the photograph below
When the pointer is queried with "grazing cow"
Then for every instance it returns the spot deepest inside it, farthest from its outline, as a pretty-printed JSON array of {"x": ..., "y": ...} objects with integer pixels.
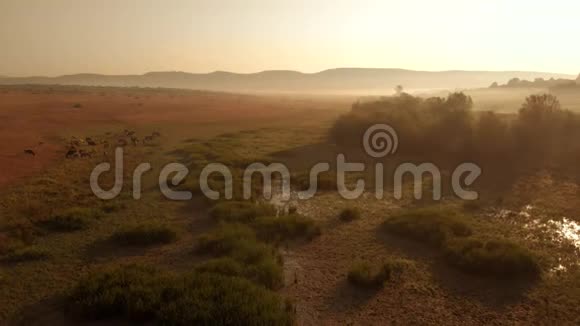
[
  {"x": 72, "y": 152},
  {"x": 29, "y": 152},
  {"x": 90, "y": 141}
]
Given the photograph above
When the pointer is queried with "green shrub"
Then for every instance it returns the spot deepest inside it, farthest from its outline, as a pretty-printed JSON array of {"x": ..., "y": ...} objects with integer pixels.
[
  {"x": 224, "y": 239},
  {"x": 497, "y": 258},
  {"x": 365, "y": 274},
  {"x": 286, "y": 227},
  {"x": 252, "y": 251},
  {"x": 26, "y": 254},
  {"x": 223, "y": 266},
  {"x": 266, "y": 271},
  {"x": 141, "y": 294},
  {"x": 349, "y": 214},
  {"x": 130, "y": 292},
  {"x": 211, "y": 299},
  {"x": 240, "y": 211},
  {"x": 72, "y": 219},
  {"x": 429, "y": 225},
  {"x": 145, "y": 234},
  {"x": 237, "y": 243}
]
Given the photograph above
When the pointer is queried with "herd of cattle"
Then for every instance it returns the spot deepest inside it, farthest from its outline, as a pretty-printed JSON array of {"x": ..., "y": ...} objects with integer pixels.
[{"x": 87, "y": 147}]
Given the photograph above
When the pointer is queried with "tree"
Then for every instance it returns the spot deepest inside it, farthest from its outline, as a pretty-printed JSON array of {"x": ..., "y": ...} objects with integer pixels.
[
  {"x": 399, "y": 89},
  {"x": 492, "y": 138},
  {"x": 538, "y": 106},
  {"x": 540, "y": 120},
  {"x": 514, "y": 82}
]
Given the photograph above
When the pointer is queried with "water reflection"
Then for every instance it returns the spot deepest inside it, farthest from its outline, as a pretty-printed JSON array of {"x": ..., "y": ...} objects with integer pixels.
[{"x": 561, "y": 234}]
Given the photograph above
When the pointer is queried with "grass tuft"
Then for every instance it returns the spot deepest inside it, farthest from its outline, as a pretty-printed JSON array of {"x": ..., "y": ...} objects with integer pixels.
[
  {"x": 26, "y": 254},
  {"x": 145, "y": 235},
  {"x": 287, "y": 227},
  {"x": 266, "y": 272},
  {"x": 496, "y": 258},
  {"x": 142, "y": 294},
  {"x": 72, "y": 219},
  {"x": 241, "y": 211},
  {"x": 237, "y": 245},
  {"x": 429, "y": 225},
  {"x": 366, "y": 275},
  {"x": 224, "y": 239}
]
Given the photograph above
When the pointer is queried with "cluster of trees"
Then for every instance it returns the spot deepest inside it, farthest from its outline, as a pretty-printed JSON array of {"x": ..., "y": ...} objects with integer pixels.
[
  {"x": 449, "y": 129},
  {"x": 537, "y": 83}
]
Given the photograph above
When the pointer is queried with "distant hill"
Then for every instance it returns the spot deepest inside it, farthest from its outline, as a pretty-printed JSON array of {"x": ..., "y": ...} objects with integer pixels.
[{"x": 340, "y": 80}]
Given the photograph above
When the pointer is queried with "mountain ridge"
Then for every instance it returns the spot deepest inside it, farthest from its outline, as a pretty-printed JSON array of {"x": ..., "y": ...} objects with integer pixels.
[{"x": 330, "y": 80}]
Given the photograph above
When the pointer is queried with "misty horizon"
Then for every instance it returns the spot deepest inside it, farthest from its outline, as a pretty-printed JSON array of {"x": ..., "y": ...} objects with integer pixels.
[
  {"x": 333, "y": 81},
  {"x": 217, "y": 71}
]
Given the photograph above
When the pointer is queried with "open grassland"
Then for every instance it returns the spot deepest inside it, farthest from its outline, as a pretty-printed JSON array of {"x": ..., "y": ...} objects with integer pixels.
[
  {"x": 71, "y": 258},
  {"x": 54, "y": 231}
]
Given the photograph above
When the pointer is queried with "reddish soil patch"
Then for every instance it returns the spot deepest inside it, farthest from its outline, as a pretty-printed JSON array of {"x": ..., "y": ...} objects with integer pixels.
[{"x": 30, "y": 115}]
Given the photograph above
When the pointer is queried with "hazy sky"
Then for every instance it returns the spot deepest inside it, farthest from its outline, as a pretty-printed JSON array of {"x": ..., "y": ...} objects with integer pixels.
[{"x": 53, "y": 37}]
